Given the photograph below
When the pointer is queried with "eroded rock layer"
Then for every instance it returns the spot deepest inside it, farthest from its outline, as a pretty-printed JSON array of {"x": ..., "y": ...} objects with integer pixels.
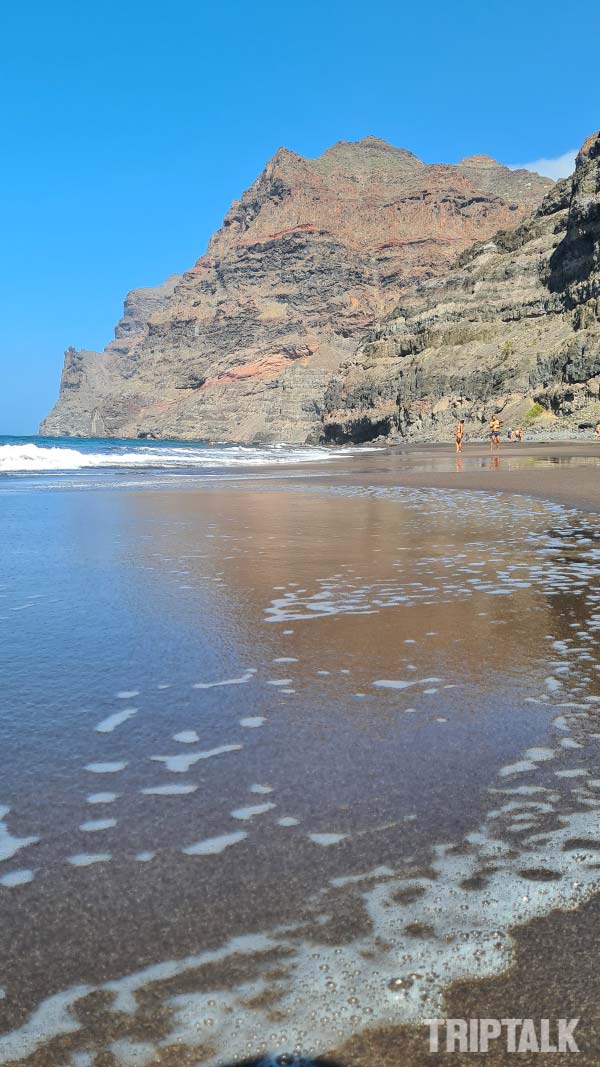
[
  {"x": 244, "y": 346},
  {"x": 514, "y": 327}
]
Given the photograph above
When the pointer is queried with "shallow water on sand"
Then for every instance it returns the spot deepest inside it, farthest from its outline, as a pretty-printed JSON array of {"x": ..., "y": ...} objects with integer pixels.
[{"x": 280, "y": 762}]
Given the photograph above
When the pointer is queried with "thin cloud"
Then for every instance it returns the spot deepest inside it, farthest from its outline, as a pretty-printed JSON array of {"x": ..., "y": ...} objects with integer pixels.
[{"x": 560, "y": 167}]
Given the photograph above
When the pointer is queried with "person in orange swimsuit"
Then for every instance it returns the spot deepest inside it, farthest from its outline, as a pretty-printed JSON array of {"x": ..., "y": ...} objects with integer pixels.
[{"x": 460, "y": 433}]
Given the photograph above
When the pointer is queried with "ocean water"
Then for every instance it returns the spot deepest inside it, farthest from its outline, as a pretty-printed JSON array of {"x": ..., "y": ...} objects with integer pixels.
[
  {"x": 22, "y": 456},
  {"x": 281, "y": 757}
]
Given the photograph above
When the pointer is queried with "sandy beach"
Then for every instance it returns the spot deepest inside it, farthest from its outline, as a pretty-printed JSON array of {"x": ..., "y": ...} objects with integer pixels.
[{"x": 320, "y": 765}]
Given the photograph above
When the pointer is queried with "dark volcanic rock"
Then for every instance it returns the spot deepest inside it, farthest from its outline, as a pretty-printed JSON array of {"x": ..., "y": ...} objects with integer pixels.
[{"x": 515, "y": 323}]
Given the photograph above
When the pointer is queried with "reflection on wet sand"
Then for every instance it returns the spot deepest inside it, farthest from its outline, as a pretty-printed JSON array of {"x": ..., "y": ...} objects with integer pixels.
[{"x": 408, "y": 676}]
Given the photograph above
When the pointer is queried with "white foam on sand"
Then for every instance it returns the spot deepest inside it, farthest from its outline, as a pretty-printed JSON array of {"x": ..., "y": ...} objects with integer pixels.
[
  {"x": 466, "y": 940},
  {"x": 82, "y": 1059},
  {"x": 106, "y": 768},
  {"x": 93, "y": 825},
  {"x": 520, "y": 767},
  {"x": 132, "y": 1053},
  {"x": 212, "y": 846},
  {"x": 102, "y": 798},
  {"x": 393, "y": 683},
  {"x": 252, "y": 810},
  {"x": 51, "y": 1018},
  {"x": 288, "y": 820},
  {"x": 246, "y": 677},
  {"x": 181, "y": 763},
  {"x": 9, "y": 844},
  {"x": 117, "y": 719},
  {"x": 16, "y": 878},
  {"x": 86, "y": 859},
  {"x": 173, "y": 790},
  {"x": 540, "y": 754},
  {"x": 468, "y": 931},
  {"x": 326, "y": 839}
]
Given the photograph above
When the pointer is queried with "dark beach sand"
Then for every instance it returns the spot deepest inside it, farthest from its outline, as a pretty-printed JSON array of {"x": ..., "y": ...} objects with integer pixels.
[{"x": 430, "y": 742}]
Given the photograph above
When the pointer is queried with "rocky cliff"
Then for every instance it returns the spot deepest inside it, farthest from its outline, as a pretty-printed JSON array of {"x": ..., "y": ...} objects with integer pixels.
[
  {"x": 245, "y": 345},
  {"x": 514, "y": 327}
]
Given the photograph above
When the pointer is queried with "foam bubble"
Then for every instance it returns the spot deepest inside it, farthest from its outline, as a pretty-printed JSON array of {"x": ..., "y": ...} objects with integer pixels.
[
  {"x": 186, "y": 737},
  {"x": 102, "y": 798},
  {"x": 246, "y": 677},
  {"x": 251, "y": 810},
  {"x": 516, "y": 768},
  {"x": 214, "y": 845},
  {"x": 117, "y": 719},
  {"x": 106, "y": 768},
  {"x": 326, "y": 839},
  {"x": 133, "y": 1053},
  {"x": 86, "y": 859},
  {"x": 16, "y": 878},
  {"x": 9, "y": 844},
  {"x": 172, "y": 790},
  {"x": 180, "y": 764},
  {"x": 392, "y": 683}
]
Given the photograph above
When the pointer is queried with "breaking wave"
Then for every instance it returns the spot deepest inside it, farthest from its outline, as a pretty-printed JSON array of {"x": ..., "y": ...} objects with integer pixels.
[{"x": 29, "y": 457}]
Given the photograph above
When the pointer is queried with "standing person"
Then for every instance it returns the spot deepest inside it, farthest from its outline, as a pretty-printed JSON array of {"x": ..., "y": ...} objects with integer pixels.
[
  {"x": 495, "y": 424},
  {"x": 597, "y": 430},
  {"x": 460, "y": 433}
]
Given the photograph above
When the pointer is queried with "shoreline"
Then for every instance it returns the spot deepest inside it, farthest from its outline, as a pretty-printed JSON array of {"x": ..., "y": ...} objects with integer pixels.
[
  {"x": 565, "y": 474},
  {"x": 544, "y": 471}
]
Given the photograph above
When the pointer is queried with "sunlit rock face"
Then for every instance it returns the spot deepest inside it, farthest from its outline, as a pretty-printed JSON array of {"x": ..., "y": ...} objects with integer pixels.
[
  {"x": 514, "y": 323},
  {"x": 245, "y": 344}
]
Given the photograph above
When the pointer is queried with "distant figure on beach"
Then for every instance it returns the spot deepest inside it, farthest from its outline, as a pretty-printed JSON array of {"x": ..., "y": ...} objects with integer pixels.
[
  {"x": 597, "y": 430},
  {"x": 460, "y": 433},
  {"x": 514, "y": 435},
  {"x": 495, "y": 424}
]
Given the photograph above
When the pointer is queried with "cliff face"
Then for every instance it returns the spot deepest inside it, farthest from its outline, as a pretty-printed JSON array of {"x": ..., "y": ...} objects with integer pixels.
[
  {"x": 245, "y": 345},
  {"x": 515, "y": 323}
]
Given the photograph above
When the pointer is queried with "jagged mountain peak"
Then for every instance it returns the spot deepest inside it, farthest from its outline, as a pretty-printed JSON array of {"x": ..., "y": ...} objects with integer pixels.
[
  {"x": 369, "y": 143},
  {"x": 480, "y": 158},
  {"x": 590, "y": 148}
]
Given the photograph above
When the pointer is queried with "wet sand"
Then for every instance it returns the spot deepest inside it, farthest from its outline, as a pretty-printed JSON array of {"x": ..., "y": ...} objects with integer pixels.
[
  {"x": 566, "y": 472},
  {"x": 343, "y": 717}
]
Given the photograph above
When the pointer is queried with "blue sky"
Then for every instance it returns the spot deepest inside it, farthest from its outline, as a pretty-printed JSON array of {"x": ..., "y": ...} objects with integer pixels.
[{"x": 128, "y": 128}]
